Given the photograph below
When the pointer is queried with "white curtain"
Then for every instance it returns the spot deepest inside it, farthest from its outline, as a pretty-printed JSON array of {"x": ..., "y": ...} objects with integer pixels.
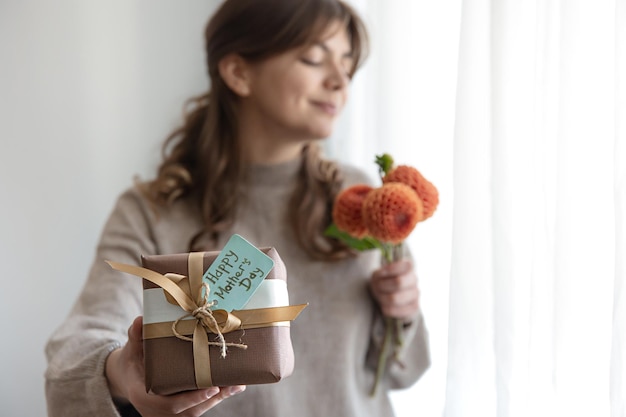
[
  {"x": 535, "y": 317},
  {"x": 536, "y": 292}
]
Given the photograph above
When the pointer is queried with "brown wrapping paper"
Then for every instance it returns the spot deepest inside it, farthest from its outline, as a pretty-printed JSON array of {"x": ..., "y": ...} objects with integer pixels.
[{"x": 169, "y": 361}]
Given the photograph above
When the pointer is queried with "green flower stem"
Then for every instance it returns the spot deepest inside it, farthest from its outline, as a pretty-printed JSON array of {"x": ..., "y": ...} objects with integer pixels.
[
  {"x": 384, "y": 354},
  {"x": 393, "y": 327}
]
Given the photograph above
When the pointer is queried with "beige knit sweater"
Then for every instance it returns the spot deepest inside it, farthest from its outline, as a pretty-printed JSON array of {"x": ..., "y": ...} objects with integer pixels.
[{"x": 332, "y": 338}]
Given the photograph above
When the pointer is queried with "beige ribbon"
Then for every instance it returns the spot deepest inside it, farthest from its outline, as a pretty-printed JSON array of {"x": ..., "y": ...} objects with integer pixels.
[{"x": 196, "y": 304}]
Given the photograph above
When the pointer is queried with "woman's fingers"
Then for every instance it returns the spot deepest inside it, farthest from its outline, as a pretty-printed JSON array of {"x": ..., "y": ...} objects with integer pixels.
[
  {"x": 182, "y": 404},
  {"x": 395, "y": 288},
  {"x": 186, "y": 404},
  {"x": 222, "y": 394},
  {"x": 402, "y": 305}
]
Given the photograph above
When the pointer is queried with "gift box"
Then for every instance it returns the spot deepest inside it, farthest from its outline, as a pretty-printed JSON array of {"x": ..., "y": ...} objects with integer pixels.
[{"x": 189, "y": 346}]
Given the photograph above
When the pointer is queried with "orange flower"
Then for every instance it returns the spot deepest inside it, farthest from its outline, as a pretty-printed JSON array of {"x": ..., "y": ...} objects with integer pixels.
[
  {"x": 426, "y": 191},
  {"x": 391, "y": 212},
  {"x": 347, "y": 210}
]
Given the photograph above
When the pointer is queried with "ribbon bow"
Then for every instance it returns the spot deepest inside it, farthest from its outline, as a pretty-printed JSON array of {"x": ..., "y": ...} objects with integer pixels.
[{"x": 209, "y": 320}]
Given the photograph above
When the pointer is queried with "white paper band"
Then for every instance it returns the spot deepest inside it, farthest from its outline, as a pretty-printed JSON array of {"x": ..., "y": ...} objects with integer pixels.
[{"x": 156, "y": 309}]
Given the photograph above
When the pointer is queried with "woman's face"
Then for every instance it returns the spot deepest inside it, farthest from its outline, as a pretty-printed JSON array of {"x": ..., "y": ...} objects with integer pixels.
[{"x": 296, "y": 96}]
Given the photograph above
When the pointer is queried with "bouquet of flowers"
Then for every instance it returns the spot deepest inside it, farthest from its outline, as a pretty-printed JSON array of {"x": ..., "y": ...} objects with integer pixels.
[{"x": 366, "y": 217}]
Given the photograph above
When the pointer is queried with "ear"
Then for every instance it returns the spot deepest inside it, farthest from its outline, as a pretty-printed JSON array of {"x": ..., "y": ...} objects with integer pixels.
[{"x": 234, "y": 70}]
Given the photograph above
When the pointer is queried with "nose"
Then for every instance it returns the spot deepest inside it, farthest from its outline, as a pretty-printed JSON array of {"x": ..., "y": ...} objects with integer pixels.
[{"x": 336, "y": 78}]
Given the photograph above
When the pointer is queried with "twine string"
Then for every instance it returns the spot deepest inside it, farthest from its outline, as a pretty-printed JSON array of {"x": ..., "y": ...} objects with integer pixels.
[{"x": 204, "y": 315}]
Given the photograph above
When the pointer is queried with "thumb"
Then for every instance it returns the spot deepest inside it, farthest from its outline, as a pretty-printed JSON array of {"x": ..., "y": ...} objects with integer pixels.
[{"x": 135, "y": 336}]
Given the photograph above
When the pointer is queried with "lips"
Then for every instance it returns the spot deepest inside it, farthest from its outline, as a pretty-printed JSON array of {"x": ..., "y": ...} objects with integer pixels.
[{"x": 327, "y": 107}]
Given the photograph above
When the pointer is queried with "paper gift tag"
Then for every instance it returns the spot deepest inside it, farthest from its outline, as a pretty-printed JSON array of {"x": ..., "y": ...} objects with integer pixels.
[{"x": 236, "y": 273}]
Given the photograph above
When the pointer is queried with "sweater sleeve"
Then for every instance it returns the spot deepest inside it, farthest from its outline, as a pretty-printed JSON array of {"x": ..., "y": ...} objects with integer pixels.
[
  {"x": 413, "y": 358},
  {"x": 75, "y": 381}
]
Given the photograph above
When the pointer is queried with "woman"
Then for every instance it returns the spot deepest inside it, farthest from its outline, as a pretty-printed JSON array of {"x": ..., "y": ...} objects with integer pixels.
[{"x": 246, "y": 160}]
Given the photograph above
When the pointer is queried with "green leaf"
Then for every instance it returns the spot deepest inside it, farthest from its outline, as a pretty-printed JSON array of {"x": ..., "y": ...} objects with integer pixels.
[
  {"x": 385, "y": 163},
  {"x": 366, "y": 243}
]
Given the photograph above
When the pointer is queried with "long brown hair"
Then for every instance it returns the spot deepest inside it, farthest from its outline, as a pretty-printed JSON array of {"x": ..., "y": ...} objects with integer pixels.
[{"x": 256, "y": 30}]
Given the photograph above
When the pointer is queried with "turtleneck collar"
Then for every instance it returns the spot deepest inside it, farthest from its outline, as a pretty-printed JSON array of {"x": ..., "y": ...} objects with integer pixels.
[{"x": 284, "y": 173}]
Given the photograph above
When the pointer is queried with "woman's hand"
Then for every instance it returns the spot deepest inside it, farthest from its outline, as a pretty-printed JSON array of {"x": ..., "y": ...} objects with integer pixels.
[
  {"x": 394, "y": 286},
  {"x": 125, "y": 373}
]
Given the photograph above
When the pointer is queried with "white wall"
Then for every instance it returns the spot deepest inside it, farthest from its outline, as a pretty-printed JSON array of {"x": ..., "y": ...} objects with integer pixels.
[{"x": 88, "y": 91}]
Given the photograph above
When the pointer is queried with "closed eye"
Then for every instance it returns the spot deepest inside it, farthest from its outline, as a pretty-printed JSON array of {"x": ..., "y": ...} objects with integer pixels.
[{"x": 310, "y": 62}]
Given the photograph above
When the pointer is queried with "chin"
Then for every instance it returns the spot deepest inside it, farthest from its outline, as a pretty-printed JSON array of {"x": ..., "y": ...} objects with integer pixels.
[
  {"x": 314, "y": 131},
  {"x": 321, "y": 132}
]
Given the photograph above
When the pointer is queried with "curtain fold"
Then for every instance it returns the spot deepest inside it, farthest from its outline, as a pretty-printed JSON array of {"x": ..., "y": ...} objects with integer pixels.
[
  {"x": 618, "y": 352},
  {"x": 470, "y": 384},
  {"x": 536, "y": 296}
]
